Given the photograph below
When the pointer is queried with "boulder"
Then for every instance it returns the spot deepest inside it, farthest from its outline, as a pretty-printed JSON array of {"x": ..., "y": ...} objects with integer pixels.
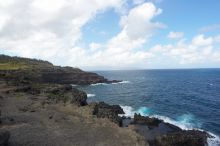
[
  {"x": 142, "y": 120},
  {"x": 103, "y": 110},
  {"x": 183, "y": 138},
  {"x": 79, "y": 97},
  {"x": 4, "y": 137}
]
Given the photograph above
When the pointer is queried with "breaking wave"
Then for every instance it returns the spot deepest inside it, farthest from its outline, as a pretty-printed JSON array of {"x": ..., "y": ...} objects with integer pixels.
[
  {"x": 185, "y": 121},
  {"x": 122, "y": 82},
  {"x": 90, "y": 95}
]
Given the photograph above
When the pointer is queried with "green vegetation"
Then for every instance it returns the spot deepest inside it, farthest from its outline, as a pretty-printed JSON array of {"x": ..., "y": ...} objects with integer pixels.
[
  {"x": 12, "y": 66},
  {"x": 15, "y": 63}
]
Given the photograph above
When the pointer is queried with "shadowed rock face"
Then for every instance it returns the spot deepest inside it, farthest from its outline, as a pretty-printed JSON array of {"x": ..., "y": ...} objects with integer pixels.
[
  {"x": 4, "y": 137},
  {"x": 183, "y": 138},
  {"x": 103, "y": 110},
  {"x": 150, "y": 122}
]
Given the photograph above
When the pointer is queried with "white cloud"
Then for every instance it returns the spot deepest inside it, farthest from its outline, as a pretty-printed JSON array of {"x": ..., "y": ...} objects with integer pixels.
[
  {"x": 175, "y": 35},
  {"x": 94, "y": 46},
  {"x": 200, "y": 40},
  {"x": 137, "y": 28},
  {"x": 199, "y": 51},
  {"x": 51, "y": 30}
]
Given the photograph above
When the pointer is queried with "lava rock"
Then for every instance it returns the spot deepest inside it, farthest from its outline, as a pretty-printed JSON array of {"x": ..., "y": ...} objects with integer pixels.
[
  {"x": 142, "y": 120},
  {"x": 79, "y": 97},
  {"x": 183, "y": 138},
  {"x": 103, "y": 110},
  {"x": 4, "y": 137}
]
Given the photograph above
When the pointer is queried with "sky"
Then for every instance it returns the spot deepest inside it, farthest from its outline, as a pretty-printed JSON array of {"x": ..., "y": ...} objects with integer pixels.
[{"x": 113, "y": 34}]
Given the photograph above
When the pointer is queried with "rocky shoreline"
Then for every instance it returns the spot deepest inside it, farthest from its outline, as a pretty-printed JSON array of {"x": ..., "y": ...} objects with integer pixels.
[{"x": 38, "y": 107}]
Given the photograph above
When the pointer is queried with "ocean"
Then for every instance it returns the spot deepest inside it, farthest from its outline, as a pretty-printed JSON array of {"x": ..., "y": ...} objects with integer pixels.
[{"x": 188, "y": 98}]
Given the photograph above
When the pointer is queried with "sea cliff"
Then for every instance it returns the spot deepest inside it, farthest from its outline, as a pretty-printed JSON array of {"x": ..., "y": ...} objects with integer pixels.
[{"x": 39, "y": 106}]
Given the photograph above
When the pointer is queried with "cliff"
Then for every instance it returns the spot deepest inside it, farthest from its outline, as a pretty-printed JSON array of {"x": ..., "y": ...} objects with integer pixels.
[{"x": 23, "y": 70}]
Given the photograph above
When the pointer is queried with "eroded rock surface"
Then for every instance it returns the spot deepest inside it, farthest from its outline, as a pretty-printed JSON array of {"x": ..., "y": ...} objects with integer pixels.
[{"x": 103, "y": 110}]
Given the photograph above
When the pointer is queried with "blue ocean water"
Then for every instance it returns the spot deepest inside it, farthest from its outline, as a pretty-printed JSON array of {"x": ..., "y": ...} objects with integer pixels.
[{"x": 188, "y": 98}]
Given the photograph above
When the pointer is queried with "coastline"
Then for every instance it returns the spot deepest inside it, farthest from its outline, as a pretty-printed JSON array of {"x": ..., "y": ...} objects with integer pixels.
[{"x": 37, "y": 98}]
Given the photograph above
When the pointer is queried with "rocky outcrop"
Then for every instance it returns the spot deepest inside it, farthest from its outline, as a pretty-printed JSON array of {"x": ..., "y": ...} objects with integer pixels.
[
  {"x": 103, "y": 110},
  {"x": 159, "y": 133},
  {"x": 55, "y": 93},
  {"x": 150, "y": 122},
  {"x": 183, "y": 138},
  {"x": 4, "y": 137}
]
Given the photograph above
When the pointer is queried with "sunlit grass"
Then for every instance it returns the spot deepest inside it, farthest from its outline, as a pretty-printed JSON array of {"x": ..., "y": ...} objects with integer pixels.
[{"x": 12, "y": 66}]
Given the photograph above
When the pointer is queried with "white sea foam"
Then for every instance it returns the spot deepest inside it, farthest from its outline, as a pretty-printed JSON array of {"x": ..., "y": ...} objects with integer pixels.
[
  {"x": 181, "y": 124},
  {"x": 97, "y": 84},
  {"x": 213, "y": 141},
  {"x": 184, "y": 121},
  {"x": 90, "y": 95},
  {"x": 122, "y": 82},
  {"x": 129, "y": 111},
  {"x": 74, "y": 85}
]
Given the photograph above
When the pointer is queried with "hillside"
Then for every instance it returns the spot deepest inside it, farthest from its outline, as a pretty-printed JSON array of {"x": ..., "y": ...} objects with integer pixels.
[{"x": 23, "y": 70}]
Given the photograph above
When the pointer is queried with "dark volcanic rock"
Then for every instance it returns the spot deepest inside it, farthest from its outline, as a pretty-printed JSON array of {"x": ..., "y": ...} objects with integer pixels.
[
  {"x": 103, "y": 110},
  {"x": 4, "y": 137},
  {"x": 79, "y": 97},
  {"x": 142, "y": 120},
  {"x": 183, "y": 138},
  {"x": 55, "y": 93},
  {"x": 66, "y": 93},
  {"x": 159, "y": 133}
]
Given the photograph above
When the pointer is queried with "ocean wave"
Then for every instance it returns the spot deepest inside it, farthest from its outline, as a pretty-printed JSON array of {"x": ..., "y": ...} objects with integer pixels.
[
  {"x": 129, "y": 111},
  {"x": 215, "y": 141},
  {"x": 184, "y": 121},
  {"x": 90, "y": 95},
  {"x": 74, "y": 85},
  {"x": 97, "y": 84},
  {"x": 122, "y": 82}
]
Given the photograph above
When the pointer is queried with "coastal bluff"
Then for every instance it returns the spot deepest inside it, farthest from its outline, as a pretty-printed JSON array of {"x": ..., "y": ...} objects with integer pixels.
[
  {"x": 23, "y": 70},
  {"x": 39, "y": 107}
]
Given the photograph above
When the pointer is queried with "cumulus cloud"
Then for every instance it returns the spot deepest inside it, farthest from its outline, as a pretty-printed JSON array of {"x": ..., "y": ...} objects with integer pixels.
[
  {"x": 198, "y": 51},
  {"x": 200, "y": 40},
  {"x": 51, "y": 29},
  {"x": 175, "y": 35},
  {"x": 137, "y": 28}
]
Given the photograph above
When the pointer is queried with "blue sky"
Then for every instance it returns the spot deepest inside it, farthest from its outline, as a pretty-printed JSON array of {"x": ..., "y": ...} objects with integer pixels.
[{"x": 113, "y": 34}]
